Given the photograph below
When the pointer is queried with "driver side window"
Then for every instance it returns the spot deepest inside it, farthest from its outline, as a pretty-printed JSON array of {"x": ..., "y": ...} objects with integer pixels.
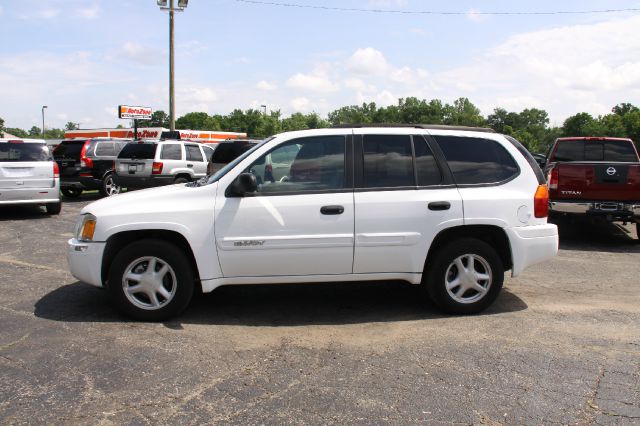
[{"x": 306, "y": 164}]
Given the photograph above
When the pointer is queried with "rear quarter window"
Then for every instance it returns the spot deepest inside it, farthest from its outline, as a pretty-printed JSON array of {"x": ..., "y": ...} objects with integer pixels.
[
  {"x": 105, "y": 149},
  {"x": 477, "y": 161}
]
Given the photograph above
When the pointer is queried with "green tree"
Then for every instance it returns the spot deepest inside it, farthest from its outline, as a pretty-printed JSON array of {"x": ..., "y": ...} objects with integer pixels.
[
  {"x": 631, "y": 122},
  {"x": 1, "y": 127},
  {"x": 54, "y": 134},
  {"x": 463, "y": 113},
  {"x": 354, "y": 114},
  {"x": 624, "y": 108},
  {"x": 159, "y": 118},
  {"x": 16, "y": 132},
  {"x": 196, "y": 121},
  {"x": 35, "y": 132},
  {"x": 578, "y": 125},
  {"x": 70, "y": 126}
]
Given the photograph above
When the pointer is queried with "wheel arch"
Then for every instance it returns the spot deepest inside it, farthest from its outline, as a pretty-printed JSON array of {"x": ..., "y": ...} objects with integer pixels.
[
  {"x": 492, "y": 235},
  {"x": 120, "y": 240}
]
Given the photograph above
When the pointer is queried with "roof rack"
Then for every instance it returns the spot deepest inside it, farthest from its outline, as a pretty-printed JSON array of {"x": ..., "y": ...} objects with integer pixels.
[{"x": 417, "y": 126}]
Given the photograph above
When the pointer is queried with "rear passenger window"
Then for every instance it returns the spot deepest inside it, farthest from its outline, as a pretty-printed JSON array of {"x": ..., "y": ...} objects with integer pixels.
[
  {"x": 208, "y": 152},
  {"x": 388, "y": 161},
  {"x": 105, "y": 149},
  {"x": 171, "y": 151},
  {"x": 426, "y": 166},
  {"x": 477, "y": 160},
  {"x": 193, "y": 153}
]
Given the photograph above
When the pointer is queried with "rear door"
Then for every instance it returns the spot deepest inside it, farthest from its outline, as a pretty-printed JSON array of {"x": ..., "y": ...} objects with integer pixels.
[
  {"x": 104, "y": 153},
  {"x": 25, "y": 165},
  {"x": 403, "y": 199},
  {"x": 195, "y": 160}
]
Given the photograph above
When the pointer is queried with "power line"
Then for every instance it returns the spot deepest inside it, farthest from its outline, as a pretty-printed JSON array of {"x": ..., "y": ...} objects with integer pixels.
[{"x": 433, "y": 12}]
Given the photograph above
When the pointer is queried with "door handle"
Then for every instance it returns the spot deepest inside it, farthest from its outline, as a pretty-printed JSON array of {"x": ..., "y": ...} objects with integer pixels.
[
  {"x": 331, "y": 210},
  {"x": 439, "y": 205},
  {"x": 189, "y": 165}
]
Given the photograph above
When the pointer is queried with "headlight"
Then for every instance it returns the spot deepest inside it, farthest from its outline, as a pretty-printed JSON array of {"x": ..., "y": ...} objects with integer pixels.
[{"x": 86, "y": 227}]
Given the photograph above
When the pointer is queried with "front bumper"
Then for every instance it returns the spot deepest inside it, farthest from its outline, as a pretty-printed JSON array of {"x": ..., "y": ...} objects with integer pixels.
[
  {"x": 531, "y": 245},
  {"x": 85, "y": 260},
  {"x": 610, "y": 210}
]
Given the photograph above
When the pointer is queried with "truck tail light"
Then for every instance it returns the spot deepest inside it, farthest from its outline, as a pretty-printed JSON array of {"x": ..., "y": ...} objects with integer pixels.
[
  {"x": 541, "y": 202},
  {"x": 84, "y": 161},
  {"x": 553, "y": 178},
  {"x": 56, "y": 170},
  {"x": 156, "y": 169}
]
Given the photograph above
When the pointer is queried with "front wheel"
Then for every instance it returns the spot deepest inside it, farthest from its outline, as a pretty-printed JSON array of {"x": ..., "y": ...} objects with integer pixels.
[
  {"x": 181, "y": 179},
  {"x": 464, "y": 277},
  {"x": 151, "y": 280},
  {"x": 109, "y": 186},
  {"x": 53, "y": 208}
]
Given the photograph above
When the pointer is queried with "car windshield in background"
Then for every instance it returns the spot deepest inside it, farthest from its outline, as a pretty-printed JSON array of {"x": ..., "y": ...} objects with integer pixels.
[
  {"x": 138, "y": 151},
  {"x": 24, "y": 152},
  {"x": 68, "y": 149},
  {"x": 223, "y": 171},
  {"x": 227, "y": 152}
]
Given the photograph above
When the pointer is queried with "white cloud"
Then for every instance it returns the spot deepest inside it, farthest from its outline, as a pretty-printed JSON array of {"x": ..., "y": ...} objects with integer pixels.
[
  {"x": 315, "y": 82},
  {"x": 301, "y": 105},
  {"x": 359, "y": 85},
  {"x": 89, "y": 12},
  {"x": 265, "y": 85},
  {"x": 1, "y": 10},
  {"x": 137, "y": 53},
  {"x": 48, "y": 13},
  {"x": 419, "y": 31},
  {"x": 367, "y": 61}
]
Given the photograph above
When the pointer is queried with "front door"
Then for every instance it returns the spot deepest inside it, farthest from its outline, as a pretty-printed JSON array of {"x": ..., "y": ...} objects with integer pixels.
[{"x": 298, "y": 225}]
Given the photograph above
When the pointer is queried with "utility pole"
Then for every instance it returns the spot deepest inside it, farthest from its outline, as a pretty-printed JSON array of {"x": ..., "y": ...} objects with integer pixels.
[
  {"x": 43, "y": 108},
  {"x": 182, "y": 4}
]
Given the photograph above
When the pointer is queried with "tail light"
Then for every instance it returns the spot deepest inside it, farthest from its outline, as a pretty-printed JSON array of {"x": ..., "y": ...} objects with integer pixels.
[
  {"x": 553, "y": 178},
  {"x": 56, "y": 170},
  {"x": 541, "y": 202},
  {"x": 156, "y": 169},
  {"x": 268, "y": 168},
  {"x": 84, "y": 161}
]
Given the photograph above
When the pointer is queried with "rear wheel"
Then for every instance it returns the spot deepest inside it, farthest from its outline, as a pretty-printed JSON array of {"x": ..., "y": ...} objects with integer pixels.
[
  {"x": 109, "y": 186},
  {"x": 71, "y": 192},
  {"x": 54, "y": 208},
  {"x": 151, "y": 280},
  {"x": 464, "y": 277},
  {"x": 181, "y": 179}
]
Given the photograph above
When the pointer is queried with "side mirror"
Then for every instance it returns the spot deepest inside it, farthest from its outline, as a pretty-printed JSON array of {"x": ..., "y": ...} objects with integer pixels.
[{"x": 245, "y": 183}]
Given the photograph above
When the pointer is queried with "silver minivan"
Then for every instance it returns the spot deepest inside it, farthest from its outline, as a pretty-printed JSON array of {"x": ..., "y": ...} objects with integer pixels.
[
  {"x": 149, "y": 163},
  {"x": 28, "y": 174}
]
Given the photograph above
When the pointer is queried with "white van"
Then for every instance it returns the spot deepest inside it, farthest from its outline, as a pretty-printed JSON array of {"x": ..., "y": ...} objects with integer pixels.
[{"x": 28, "y": 174}]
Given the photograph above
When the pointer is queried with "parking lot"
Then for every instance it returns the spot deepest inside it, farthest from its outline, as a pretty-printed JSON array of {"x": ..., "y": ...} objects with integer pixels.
[{"x": 560, "y": 346}]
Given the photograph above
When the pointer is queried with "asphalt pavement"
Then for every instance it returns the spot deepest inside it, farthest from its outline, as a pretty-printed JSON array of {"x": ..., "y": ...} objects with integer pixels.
[{"x": 560, "y": 346}]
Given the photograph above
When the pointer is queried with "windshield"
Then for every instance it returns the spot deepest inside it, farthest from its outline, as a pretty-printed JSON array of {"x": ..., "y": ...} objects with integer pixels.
[
  {"x": 223, "y": 171},
  {"x": 24, "y": 152}
]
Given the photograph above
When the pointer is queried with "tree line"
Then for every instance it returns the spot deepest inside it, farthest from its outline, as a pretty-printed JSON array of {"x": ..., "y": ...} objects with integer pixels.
[{"x": 530, "y": 126}]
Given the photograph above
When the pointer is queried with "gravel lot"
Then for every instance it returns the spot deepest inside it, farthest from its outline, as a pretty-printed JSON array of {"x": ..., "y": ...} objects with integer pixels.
[{"x": 561, "y": 345}]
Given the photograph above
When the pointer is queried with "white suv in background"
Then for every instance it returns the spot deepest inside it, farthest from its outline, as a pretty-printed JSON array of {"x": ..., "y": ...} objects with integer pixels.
[
  {"x": 148, "y": 163},
  {"x": 449, "y": 209},
  {"x": 28, "y": 174}
]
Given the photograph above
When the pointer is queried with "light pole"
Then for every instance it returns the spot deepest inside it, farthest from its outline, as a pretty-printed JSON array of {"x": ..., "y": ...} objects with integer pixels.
[
  {"x": 43, "y": 108},
  {"x": 182, "y": 4}
]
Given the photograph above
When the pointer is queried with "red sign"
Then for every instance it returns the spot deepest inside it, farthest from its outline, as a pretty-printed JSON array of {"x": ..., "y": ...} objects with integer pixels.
[{"x": 135, "y": 112}]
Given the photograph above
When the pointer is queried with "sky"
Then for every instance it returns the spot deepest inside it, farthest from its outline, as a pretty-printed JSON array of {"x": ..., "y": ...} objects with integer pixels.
[{"x": 82, "y": 58}]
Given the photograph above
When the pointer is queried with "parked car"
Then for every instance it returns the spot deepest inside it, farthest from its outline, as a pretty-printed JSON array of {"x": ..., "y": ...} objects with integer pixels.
[
  {"x": 149, "y": 163},
  {"x": 227, "y": 151},
  {"x": 28, "y": 174},
  {"x": 87, "y": 164},
  {"x": 596, "y": 177},
  {"x": 450, "y": 209}
]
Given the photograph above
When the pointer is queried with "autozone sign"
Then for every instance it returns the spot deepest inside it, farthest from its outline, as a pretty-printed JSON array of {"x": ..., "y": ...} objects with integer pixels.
[{"x": 135, "y": 112}]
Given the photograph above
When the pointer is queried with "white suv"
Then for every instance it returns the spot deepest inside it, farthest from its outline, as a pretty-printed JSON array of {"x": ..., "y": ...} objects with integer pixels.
[
  {"x": 450, "y": 209},
  {"x": 28, "y": 174}
]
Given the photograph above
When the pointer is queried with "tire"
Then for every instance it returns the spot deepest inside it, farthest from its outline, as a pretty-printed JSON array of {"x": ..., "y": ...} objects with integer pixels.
[
  {"x": 477, "y": 293},
  {"x": 71, "y": 192},
  {"x": 53, "y": 208},
  {"x": 180, "y": 179},
  {"x": 165, "y": 296},
  {"x": 638, "y": 231},
  {"x": 109, "y": 186}
]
